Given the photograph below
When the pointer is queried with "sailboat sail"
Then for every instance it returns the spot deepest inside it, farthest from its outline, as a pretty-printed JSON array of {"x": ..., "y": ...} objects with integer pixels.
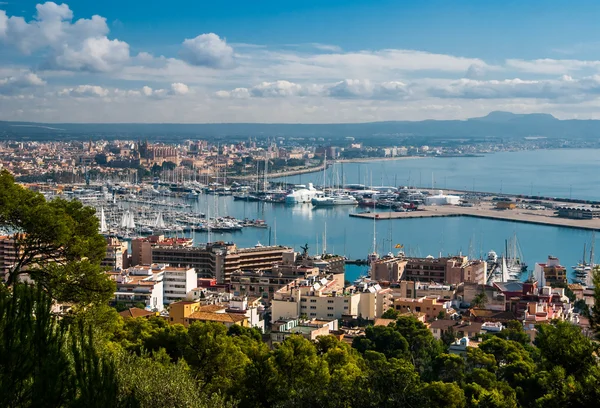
[
  {"x": 159, "y": 223},
  {"x": 131, "y": 222},
  {"x": 504, "y": 270},
  {"x": 103, "y": 227},
  {"x": 125, "y": 219}
]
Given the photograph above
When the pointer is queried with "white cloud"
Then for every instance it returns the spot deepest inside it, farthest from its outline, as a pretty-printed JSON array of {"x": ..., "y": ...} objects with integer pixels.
[
  {"x": 564, "y": 87},
  {"x": 207, "y": 50},
  {"x": 178, "y": 88},
  {"x": 349, "y": 88},
  {"x": 15, "y": 84},
  {"x": 551, "y": 66},
  {"x": 95, "y": 54},
  {"x": 84, "y": 91},
  {"x": 82, "y": 45}
]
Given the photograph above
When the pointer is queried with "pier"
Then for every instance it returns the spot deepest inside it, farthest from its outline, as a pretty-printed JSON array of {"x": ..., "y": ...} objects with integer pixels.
[{"x": 486, "y": 210}]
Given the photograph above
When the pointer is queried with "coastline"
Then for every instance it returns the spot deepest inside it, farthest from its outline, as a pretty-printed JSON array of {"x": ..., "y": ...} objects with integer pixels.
[{"x": 377, "y": 159}]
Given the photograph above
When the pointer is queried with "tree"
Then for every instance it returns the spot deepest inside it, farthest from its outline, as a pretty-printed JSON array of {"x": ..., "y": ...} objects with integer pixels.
[
  {"x": 480, "y": 300},
  {"x": 35, "y": 368},
  {"x": 563, "y": 344},
  {"x": 444, "y": 395},
  {"x": 595, "y": 310},
  {"x": 302, "y": 376},
  {"x": 390, "y": 314},
  {"x": 55, "y": 242},
  {"x": 386, "y": 340}
]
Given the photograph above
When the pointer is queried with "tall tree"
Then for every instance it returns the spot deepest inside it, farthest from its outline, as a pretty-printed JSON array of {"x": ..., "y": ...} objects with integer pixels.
[{"x": 55, "y": 242}]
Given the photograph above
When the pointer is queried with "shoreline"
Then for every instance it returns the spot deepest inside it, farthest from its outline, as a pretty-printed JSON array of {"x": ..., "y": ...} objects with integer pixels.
[
  {"x": 377, "y": 159},
  {"x": 540, "y": 217}
]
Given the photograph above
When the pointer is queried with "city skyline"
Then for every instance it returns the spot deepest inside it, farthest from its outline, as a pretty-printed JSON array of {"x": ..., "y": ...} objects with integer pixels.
[{"x": 295, "y": 63}]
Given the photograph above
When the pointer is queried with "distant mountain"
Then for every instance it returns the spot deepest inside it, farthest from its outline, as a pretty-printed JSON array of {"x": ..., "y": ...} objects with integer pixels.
[
  {"x": 494, "y": 125},
  {"x": 503, "y": 117}
]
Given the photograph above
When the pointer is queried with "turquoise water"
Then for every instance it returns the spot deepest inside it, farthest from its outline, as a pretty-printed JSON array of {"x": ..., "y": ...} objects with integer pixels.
[
  {"x": 549, "y": 172},
  {"x": 558, "y": 173},
  {"x": 297, "y": 225}
]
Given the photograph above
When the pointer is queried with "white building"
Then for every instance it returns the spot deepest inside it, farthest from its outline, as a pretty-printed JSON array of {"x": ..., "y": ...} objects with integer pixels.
[
  {"x": 323, "y": 299},
  {"x": 141, "y": 288},
  {"x": 250, "y": 309},
  {"x": 160, "y": 284},
  {"x": 178, "y": 283},
  {"x": 442, "y": 199}
]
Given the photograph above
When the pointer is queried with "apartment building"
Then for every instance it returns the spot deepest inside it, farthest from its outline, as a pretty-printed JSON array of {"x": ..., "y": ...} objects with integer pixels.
[
  {"x": 264, "y": 283},
  {"x": 154, "y": 285},
  {"x": 430, "y": 305},
  {"x": 309, "y": 329},
  {"x": 412, "y": 289},
  {"x": 325, "y": 299},
  {"x": 116, "y": 254},
  {"x": 449, "y": 270},
  {"x": 220, "y": 259},
  {"x": 188, "y": 312},
  {"x": 178, "y": 282},
  {"x": 142, "y": 288},
  {"x": 550, "y": 272},
  {"x": 141, "y": 248}
]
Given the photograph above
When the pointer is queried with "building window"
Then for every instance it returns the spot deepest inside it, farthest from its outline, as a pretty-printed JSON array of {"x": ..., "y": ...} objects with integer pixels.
[
  {"x": 330, "y": 308},
  {"x": 302, "y": 300},
  {"x": 313, "y": 301},
  {"x": 313, "y": 307},
  {"x": 302, "y": 307},
  {"x": 330, "y": 314},
  {"x": 345, "y": 307},
  {"x": 313, "y": 314},
  {"x": 345, "y": 300},
  {"x": 330, "y": 301}
]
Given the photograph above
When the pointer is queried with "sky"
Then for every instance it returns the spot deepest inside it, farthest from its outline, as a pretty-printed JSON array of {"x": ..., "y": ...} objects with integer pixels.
[{"x": 296, "y": 61}]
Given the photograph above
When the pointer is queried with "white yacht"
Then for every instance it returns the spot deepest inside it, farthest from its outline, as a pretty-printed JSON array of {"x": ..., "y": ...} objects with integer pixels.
[
  {"x": 303, "y": 195},
  {"x": 337, "y": 199}
]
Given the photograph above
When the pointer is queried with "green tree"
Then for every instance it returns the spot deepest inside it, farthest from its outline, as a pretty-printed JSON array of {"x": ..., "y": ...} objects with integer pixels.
[
  {"x": 55, "y": 242},
  {"x": 563, "y": 344},
  {"x": 480, "y": 300},
  {"x": 390, "y": 314},
  {"x": 35, "y": 367},
  {"x": 302, "y": 376},
  {"x": 444, "y": 395},
  {"x": 214, "y": 358}
]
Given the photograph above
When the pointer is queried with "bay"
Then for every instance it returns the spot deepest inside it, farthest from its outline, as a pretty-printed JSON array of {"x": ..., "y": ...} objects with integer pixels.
[
  {"x": 298, "y": 225},
  {"x": 556, "y": 173}
]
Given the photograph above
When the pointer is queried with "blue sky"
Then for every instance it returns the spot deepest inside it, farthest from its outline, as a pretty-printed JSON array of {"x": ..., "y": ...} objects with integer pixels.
[{"x": 296, "y": 61}]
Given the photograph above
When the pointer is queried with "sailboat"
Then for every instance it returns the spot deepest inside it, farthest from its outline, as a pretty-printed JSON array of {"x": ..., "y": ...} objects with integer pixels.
[
  {"x": 373, "y": 256},
  {"x": 514, "y": 257},
  {"x": 103, "y": 227}
]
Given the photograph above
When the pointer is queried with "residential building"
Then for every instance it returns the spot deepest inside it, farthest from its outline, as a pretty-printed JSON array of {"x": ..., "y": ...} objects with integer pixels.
[
  {"x": 187, "y": 312},
  {"x": 220, "y": 259},
  {"x": 326, "y": 299},
  {"x": 178, "y": 282},
  {"x": 116, "y": 254},
  {"x": 550, "y": 272},
  {"x": 430, "y": 305},
  {"x": 138, "y": 288},
  {"x": 446, "y": 270},
  {"x": 412, "y": 289},
  {"x": 460, "y": 328},
  {"x": 309, "y": 329}
]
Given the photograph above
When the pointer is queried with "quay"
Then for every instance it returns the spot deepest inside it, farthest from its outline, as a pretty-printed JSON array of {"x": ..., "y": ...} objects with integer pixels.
[{"x": 486, "y": 210}]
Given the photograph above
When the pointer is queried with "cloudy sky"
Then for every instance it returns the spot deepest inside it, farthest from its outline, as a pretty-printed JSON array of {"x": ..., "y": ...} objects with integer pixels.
[{"x": 296, "y": 61}]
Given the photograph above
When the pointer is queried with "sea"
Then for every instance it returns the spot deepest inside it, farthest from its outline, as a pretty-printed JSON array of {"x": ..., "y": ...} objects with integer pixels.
[{"x": 565, "y": 173}]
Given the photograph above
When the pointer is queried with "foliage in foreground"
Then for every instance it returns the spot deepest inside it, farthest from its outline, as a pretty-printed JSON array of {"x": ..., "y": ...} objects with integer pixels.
[{"x": 98, "y": 360}]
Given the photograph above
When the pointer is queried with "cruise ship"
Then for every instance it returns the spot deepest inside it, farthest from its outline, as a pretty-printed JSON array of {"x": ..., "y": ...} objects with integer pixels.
[
  {"x": 303, "y": 195},
  {"x": 337, "y": 199}
]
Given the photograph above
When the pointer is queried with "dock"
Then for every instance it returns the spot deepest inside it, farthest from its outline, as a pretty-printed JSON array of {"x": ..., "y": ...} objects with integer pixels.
[{"x": 485, "y": 210}]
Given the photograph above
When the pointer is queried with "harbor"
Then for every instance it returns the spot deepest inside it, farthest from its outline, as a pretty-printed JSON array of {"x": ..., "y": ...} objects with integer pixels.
[{"x": 488, "y": 211}]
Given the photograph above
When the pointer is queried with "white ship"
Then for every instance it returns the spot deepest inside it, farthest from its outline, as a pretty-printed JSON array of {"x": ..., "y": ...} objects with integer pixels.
[
  {"x": 337, "y": 199},
  {"x": 303, "y": 195}
]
